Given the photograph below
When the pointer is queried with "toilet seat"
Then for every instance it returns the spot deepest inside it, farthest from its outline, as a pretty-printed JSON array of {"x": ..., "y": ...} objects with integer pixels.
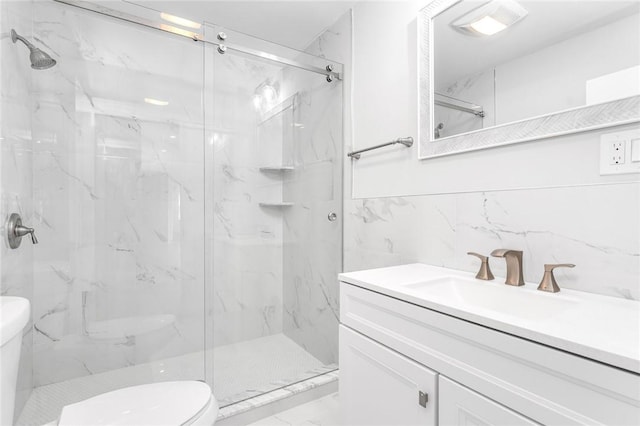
[{"x": 178, "y": 403}]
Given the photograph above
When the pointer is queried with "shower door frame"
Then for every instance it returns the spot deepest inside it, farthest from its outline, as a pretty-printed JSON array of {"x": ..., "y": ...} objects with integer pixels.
[{"x": 151, "y": 19}]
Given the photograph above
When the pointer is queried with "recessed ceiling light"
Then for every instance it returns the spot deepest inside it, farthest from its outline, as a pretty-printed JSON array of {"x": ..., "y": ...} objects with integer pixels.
[
  {"x": 488, "y": 26},
  {"x": 490, "y": 18},
  {"x": 156, "y": 102}
]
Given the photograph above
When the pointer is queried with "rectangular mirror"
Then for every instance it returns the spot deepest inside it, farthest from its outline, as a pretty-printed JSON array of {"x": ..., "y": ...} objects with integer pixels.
[{"x": 504, "y": 71}]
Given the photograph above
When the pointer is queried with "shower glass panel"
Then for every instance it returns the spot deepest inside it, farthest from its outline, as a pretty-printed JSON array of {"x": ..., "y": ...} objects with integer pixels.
[
  {"x": 275, "y": 153},
  {"x": 118, "y": 177}
]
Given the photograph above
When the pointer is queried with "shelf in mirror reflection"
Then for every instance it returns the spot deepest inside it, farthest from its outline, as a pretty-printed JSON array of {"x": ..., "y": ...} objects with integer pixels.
[
  {"x": 276, "y": 204},
  {"x": 276, "y": 169}
]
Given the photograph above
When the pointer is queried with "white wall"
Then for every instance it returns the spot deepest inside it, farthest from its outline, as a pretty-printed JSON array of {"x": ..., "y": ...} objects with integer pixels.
[
  {"x": 561, "y": 71},
  {"x": 512, "y": 90},
  {"x": 385, "y": 106}
]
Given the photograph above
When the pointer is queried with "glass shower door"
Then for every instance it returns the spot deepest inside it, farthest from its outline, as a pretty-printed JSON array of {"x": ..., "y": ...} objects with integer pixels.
[
  {"x": 118, "y": 207},
  {"x": 275, "y": 215}
]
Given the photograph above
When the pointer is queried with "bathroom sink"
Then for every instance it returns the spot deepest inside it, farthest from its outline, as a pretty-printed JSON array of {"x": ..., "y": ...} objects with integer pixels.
[
  {"x": 520, "y": 302},
  {"x": 595, "y": 326},
  {"x": 14, "y": 315}
]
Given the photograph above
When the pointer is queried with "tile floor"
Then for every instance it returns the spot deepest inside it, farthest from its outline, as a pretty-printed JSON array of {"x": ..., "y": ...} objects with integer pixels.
[
  {"x": 321, "y": 412},
  {"x": 243, "y": 370}
]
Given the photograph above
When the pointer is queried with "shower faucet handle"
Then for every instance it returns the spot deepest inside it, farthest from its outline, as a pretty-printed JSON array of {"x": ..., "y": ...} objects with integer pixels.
[
  {"x": 485, "y": 272},
  {"x": 21, "y": 231},
  {"x": 15, "y": 231}
]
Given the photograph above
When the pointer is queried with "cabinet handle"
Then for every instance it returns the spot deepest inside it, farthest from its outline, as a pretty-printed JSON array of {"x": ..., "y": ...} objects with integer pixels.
[{"x": 423, "y": 398}]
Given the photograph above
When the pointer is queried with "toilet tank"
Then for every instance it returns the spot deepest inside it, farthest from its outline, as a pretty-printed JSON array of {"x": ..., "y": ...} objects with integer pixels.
[{"x": 14, "y": 315}]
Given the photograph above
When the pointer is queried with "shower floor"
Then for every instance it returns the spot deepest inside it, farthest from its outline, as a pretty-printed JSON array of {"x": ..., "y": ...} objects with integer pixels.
[{"x": 241, "y": 371}]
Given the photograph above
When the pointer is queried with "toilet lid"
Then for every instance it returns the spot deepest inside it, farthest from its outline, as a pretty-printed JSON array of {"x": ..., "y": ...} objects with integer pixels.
[{"x": 166, "y": 403}]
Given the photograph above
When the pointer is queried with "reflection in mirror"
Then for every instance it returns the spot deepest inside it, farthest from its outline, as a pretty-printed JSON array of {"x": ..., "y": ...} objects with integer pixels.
[{"x": 553, "y": 56}]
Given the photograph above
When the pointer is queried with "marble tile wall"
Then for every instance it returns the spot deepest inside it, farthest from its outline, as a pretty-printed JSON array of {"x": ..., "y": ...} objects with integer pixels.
[
  {"x": 476, "y": 89},
  {"x": 582, "y": 225},
  {"x": 545, "y": 197},
  {"x": 270, "y": 272},
  {"x": 313, "y": 244},
  {"x": 118, "y": 195},
  {"x": 247, "y": 238},
  {"x": 16, "y": 184}
]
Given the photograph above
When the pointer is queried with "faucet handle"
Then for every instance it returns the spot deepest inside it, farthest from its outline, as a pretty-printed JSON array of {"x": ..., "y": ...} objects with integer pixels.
[
  {"x": 21, "y": 231},
  {"x": 15, "y": 231},
  {"x": 548, "y": 282},
  {"x": 485, "y": 272}
]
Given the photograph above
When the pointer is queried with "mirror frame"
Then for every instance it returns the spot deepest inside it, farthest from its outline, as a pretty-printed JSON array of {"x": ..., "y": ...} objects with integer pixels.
[{"x": 574, "y": 120}]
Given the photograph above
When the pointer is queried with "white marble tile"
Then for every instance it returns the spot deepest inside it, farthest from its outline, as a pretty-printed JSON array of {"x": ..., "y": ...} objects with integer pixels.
[
  {"x": 118, "y": 193},
  {"x": 582, "y": 225},
  {"x": 324, "y": 411},
  {"x": 396, "y": 230},
  {"x": 476, "y": 89},
  {"x": 312, "y": 243},
  {"x": 16, "y": 177},
  {"x": 249, "y": 374}
]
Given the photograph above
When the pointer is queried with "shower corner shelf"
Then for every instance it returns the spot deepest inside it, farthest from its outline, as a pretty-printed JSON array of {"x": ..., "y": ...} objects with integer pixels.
[
  {"x": 276, "y": 169},
  {"x": 277, "y": 205}
]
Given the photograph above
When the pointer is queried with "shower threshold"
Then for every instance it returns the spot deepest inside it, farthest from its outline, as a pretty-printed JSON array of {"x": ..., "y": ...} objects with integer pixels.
[
  {"x": 246, "y": 375},
  {"x": 252, "y": 409}
]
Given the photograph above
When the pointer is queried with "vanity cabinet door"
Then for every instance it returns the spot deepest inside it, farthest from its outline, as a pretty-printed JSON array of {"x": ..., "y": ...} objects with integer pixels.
[
  {"x": 460, "y": 406},
  {"x": 379, "y": 386}
]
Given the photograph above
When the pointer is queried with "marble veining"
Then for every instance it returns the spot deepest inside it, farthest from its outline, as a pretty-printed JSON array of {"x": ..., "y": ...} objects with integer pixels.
[
  {"x": 601, "y": 239},
  {"x": 118, "y": 194},
  {"x": 324, "y": 411},
  {"x": 279, "y": 394},
  {"x": 16, "y": 177}
]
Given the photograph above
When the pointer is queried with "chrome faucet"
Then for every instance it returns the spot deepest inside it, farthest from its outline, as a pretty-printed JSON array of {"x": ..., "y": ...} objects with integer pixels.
[{"x": 514, "y": 265}]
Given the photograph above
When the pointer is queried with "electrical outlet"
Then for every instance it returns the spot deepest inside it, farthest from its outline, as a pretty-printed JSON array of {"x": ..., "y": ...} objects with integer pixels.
[{"x": 616, "y": 151}]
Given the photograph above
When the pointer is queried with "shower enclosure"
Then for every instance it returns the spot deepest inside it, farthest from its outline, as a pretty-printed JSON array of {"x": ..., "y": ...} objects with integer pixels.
[
  {"x": 187, "y": 194},
  {"x": 274, "y": 149}
]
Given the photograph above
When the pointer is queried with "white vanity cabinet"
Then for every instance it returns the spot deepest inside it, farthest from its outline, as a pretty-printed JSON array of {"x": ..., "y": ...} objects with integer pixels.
[
  {"x": 391, "y": 349},
  {"x": 461, "y": 406},
  {"x": 380, "y": 387}
]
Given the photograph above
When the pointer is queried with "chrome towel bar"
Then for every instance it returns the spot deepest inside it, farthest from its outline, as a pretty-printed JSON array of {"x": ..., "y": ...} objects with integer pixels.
[{"x": 408, "y": 141}]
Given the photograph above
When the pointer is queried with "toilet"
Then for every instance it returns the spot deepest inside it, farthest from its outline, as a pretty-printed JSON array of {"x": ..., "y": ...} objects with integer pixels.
[
  {"x": 179, "y": 403},
  {"x": 166, "y": 403}
]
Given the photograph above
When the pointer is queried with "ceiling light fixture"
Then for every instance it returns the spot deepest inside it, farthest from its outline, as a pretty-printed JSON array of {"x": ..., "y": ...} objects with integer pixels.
[
  {"x": 490, "y": 18},
  {"x": 180, "y": 31},
  {"x": 180, "y": 21},
  {"x": 265, "y": 96},
  {"x": 156, "y": 102}
]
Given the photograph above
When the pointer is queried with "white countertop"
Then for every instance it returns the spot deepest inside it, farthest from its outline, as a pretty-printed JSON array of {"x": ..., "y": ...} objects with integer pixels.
[{"x": 603, "y": 328}]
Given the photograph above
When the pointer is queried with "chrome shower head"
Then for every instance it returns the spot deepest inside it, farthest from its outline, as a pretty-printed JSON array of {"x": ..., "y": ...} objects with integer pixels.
[{"x": 39, "y": 59}]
